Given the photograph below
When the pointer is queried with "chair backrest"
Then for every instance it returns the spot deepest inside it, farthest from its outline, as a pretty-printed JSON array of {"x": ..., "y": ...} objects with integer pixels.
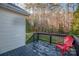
[{"x": 68, "y": 40}]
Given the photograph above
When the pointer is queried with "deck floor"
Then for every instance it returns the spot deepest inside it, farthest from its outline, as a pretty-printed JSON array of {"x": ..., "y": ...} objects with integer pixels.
[{"x": 37, "y": 49}]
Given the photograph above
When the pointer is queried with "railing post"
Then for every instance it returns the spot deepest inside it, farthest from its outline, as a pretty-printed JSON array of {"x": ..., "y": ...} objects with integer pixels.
[
  {"x": 33, "y": 37},
  {"x": 37, "y": 36},
  {"x": 50, "y": 38},
  {"x": 33, "y": 42}
]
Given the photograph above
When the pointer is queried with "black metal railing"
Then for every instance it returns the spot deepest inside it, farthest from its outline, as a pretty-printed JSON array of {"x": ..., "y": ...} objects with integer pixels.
[{"x": 37, "y": 34}]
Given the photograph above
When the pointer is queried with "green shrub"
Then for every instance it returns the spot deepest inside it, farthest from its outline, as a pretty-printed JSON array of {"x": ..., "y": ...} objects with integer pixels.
[
  {"x": 28, "y": 27},
  {"x": 75, "y": 22}
]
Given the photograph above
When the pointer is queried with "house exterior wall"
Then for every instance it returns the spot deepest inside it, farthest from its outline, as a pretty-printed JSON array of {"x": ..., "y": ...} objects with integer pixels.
[{"x": 12, "y": 30}]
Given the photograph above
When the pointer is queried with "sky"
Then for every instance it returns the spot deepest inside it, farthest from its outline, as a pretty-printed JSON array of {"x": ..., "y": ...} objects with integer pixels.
[
  {"x": 64, "y": 6},
  {"x": 71, "y": 6}
]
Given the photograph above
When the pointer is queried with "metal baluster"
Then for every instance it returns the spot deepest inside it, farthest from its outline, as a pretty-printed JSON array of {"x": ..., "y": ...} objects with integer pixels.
[
  {"x": 37, "y": 37},
  {"x": 50, "y": 39}
]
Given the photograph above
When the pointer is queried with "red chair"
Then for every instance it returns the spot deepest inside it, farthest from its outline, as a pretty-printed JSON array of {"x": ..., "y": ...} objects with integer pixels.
[{"x": 67, "y": 44}]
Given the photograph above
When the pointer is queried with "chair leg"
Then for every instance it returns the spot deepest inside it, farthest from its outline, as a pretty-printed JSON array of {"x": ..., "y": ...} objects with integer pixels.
[
  {"x": 65, "y": 53},
  {"x": 62, "y": 52}
]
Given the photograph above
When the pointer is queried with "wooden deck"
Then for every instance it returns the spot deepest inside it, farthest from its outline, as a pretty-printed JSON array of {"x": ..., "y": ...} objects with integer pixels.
[{"x": 37, "y": 49}]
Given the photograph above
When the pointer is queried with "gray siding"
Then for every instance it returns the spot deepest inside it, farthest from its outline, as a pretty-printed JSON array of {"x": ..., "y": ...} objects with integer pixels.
[{"x": 12, "y": 31}]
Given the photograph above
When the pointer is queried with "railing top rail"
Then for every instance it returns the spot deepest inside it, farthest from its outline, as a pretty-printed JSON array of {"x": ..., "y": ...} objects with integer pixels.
[{"x": 52, "y": 34}]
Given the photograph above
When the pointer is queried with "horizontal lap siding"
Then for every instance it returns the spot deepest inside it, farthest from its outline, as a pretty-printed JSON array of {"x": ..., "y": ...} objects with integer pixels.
[{"x": 12, "y": 31}]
